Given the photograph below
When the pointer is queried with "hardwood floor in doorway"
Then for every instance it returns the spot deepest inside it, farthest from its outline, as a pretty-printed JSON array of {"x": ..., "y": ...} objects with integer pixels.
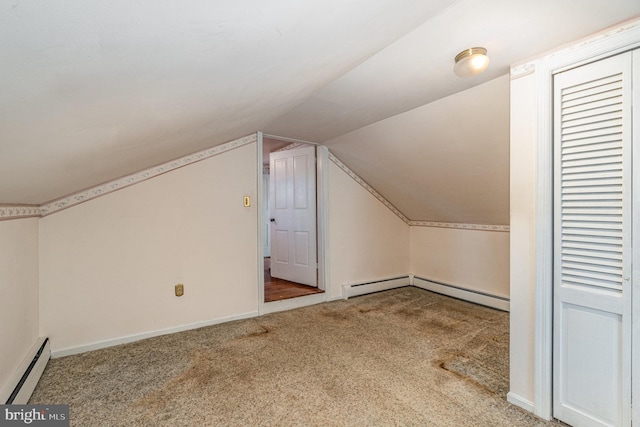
[{"x": 277, "y": 289}]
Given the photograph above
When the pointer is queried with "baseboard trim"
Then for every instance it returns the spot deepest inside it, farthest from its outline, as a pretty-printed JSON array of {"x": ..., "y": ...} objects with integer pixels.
[
  {"x": 348, "y": 291},
  {"x": 20, "y": 387},
  {"x": 520, "y": 402},
  {"x": 352, "y": 290},
  {"x": 476, "y": 297},
  {"x": 137, "y": 337}
]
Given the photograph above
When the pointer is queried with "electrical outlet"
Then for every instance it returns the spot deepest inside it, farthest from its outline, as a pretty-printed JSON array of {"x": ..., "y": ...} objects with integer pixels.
[
  {"x": 179, "y": 289},
  {"x": 247, "y": 201}
]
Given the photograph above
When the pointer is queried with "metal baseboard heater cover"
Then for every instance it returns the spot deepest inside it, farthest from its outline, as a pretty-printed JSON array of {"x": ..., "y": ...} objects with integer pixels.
[
  {"x": 470, "y": 295},
  {"x": 356, "y": 289},
  {"x": 33, "y": 370}
]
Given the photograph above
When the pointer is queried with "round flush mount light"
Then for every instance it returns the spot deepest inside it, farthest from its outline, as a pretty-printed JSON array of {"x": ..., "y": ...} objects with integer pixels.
[{"x": 471, "y": 61}]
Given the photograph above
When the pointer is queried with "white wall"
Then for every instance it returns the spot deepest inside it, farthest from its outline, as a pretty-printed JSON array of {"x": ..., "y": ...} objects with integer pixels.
[
  {"x": 445, "y": 161},
  {"x": 366, "y": 240},
  {"x": 108, "y": 266},
  {"x": 18, "y": 297},
  {"x": 472, "y": 259},
  {"x": 523, "y": 206}
]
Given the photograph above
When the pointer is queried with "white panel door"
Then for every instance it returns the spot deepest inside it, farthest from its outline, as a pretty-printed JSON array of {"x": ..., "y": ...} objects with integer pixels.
[
  {"x": 293, "y": 215},
  {"x": 592, "y": 244}
]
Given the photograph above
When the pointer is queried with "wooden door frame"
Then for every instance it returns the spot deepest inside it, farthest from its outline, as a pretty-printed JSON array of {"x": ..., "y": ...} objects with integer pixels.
[
  {"x": 607, "y": 44},
  {"x": 322, "y": 207}
]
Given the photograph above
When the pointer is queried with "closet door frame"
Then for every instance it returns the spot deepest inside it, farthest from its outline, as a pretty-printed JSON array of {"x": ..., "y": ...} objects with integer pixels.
[
  {"x": 606, "y": 44},
  {"x": 592, "y": 258},
  {"x": 635, "y": 242}
]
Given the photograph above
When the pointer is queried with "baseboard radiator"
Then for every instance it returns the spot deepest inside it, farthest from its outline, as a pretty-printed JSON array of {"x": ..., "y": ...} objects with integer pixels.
[
  {"x": 356, "y": 289},
  {"x": 29, "y": 372},
  {"x": 477, "y": 297}
]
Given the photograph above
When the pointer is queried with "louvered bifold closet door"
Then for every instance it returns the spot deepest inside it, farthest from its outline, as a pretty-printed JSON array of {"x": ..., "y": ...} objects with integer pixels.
[{"x": 592, "y": 235}]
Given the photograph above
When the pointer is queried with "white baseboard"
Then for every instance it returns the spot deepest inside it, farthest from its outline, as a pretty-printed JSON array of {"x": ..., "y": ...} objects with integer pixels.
[
  {"x": 476, "y": 297},
  {"x": 137, "y": 337},
  {"x": 520, "y": 402},
  {"x": 291, "y": 303},
  {"x": 272, "y": 307},
  {"x": 356, "y": 289},
  {"x": 31, "y": 369}
]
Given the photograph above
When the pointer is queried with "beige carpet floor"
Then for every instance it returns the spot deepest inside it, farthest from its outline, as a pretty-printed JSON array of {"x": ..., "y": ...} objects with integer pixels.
[{"x": 404, "y": 357}]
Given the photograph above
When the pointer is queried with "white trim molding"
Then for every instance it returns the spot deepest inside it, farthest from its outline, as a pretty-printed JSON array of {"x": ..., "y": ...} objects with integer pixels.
[
  {"x": 520, "y": 401},
  {"x": 137, "y": 337},
  {"x": 522, "y": 70},
  {"x": 480, "y": 227},
  {"x": 19, "y": 211},
  {"x": 129, "y": 180},
  {"x": 30, "y": 211},
  {"x": 529, "y": 67},
  {"x": 262, "y": 202},
  {"x": 367, "y": 187}
]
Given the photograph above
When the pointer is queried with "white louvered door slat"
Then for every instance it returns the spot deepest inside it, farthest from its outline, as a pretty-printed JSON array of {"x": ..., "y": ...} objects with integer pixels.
[{"x": 592, "y": 254}]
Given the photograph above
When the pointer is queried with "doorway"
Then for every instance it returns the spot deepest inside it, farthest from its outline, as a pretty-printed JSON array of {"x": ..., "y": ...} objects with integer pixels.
[{"x": 289, "y": 226}]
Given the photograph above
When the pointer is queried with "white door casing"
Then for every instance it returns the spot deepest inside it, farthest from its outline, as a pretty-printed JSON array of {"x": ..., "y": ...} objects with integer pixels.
[
  {"x": 635, "y": 290},
  {"x": 592, "y": 243},
  {"x": 266, "y": 226},
  {"x": 293, "y": 215}
]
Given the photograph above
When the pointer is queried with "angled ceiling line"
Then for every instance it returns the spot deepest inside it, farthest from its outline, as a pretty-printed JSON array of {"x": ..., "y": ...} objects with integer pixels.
[
  {"x": 367, "y": 187},
  {"x": 366, "y": 58},
  {"x": 135, "y": 178},
  {"x": 403, "y": 217},
  {"x": 27, "y": 211}
]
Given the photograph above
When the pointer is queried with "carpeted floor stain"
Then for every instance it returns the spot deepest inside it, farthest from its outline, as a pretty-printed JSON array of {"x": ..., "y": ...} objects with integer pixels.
[{"x": 401, "y": 357}]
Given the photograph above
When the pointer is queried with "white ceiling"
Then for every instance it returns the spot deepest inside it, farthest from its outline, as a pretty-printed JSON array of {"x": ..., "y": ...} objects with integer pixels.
[
  {"x": 417, "y": 69},
  {"x": 91, "y": 90}
]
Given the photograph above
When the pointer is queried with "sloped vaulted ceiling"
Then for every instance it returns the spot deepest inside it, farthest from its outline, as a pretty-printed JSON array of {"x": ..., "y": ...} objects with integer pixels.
[
  {"x": 91, "y": 90},
  {"x": 96, "y": 89}
]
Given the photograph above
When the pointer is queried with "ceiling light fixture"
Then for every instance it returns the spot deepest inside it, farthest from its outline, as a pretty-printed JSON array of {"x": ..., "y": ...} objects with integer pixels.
[{"x": 471, "y": 61}]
